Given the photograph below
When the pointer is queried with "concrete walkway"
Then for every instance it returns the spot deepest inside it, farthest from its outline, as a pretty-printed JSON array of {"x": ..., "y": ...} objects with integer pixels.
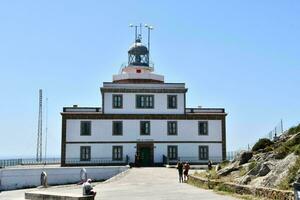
[
  {"x": 152, "y": 184},
  {"x": 135, "y": 184}
]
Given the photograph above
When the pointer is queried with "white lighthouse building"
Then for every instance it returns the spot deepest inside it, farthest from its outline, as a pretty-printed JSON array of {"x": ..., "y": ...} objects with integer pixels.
[{"x": 143, "y": 120}]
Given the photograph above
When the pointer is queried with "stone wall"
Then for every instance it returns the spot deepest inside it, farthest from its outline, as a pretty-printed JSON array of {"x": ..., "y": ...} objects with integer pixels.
[{"x": 242, "y": 189}]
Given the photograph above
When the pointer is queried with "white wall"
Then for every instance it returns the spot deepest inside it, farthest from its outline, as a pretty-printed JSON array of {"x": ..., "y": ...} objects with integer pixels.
[
  {"x": 160, "y": 149},
  {"x": 30, "y": 177},
  {"x": 188, "y": 150},
  {"x": 99, "y": 151},
  {"x": 129, "y": 107},
  {"x": 102, "y": 131}
]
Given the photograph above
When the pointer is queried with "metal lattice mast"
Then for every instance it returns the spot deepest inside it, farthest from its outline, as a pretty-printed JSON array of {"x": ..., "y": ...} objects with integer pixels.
[{"x": 40, "y": 130}]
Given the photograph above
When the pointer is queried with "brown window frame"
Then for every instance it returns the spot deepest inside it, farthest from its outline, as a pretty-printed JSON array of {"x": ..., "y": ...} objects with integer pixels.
[
  {"x": 87, "y": 132},
  {"x": 116, "y": 157},
  {"x": 201, "y": 154},
  {"x": 148, "y": 101},
  {"x": 85, "y": 156},
  {"x": 117, "y": 104},
  {"x": 169, "y": 128},
  {"x": 171, "y": 104},
  {"x": 203, "y": 131},
  {"x": 143, "y": 129},
  {"x": 170, "y": 154},
  {"x": 114, "y": 131}
]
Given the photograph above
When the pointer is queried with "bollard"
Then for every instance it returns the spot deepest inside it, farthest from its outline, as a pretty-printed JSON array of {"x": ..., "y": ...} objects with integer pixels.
[
  {"x": 83, "y": 175},
  {"x": 44, "y": 179}
]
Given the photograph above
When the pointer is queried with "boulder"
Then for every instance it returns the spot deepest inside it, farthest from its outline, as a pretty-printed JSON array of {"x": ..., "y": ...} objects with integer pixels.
[
  {"x": 227, "y": 170},
  {"x": 264, "y": 170},
  {"x": 245, "y": 180},
  {"x": 244, "y": 157},
  {"x": 255, "y": 170},
  {"x": 261, "y": 169}
]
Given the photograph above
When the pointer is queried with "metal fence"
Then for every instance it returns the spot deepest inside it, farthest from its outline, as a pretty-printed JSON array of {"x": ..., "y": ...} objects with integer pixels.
[
  {"x": 191, "y": 160},
  {"x": 98, "y": 161},
  {"x": 27, "y": 161},
  {"x": 70, "y": 161}
]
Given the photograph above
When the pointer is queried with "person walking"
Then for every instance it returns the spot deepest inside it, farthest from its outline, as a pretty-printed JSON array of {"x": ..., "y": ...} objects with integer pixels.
[
  {"x": 186, "y": 171},
  {"x": 209, "y": 165},
  {"x": 180, "y": 171},
  {"x": 87, "y": 188}
]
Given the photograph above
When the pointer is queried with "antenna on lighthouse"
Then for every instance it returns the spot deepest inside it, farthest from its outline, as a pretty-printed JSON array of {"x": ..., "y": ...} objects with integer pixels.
[
  {"x": 40, "y": 131},
  {"x": 149, "y": 27}
]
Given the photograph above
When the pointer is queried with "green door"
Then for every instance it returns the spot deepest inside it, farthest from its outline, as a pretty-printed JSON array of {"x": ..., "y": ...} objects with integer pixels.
[{"x": 145, "y": 156}]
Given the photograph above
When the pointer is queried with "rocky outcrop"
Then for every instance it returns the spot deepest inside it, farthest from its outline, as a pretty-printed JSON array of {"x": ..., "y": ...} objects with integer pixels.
[
  {"x": 261, "y": 169},
  {"x": 279, "y": 171}
]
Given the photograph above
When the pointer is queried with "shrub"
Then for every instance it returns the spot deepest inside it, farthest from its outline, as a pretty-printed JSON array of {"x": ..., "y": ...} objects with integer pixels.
[
  {"x": 224, "y": 163},
  {"x": 268, "y": 149},
  {"x": 294, "y": 130},
  {"x": 252, "y": 165},
  {"x": 261, "y": 144},
  {"x": 242, "y": 171},
  {"x": 282, "y": 152},
  {"x": 224, "y": 188},
  {"x": 293, "y": 141},
  {"x": 297, "y": 150}
]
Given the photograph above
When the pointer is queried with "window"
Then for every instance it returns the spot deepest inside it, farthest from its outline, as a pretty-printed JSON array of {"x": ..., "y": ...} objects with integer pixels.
[
  {"x": 145, "y": 101},
  {"x": 117, "y": 153},
  {"x": 172, "y": 152},
  {"x": 145, "y": 127},
  {"x": 203, "y": 152},
  {"x": 117, "y": 128},
  {"x": 172, "y": 128},
  {"x": 117, "y": 101},
  {"x": 85, "y": 128},
  {"x": 85, "y": 153},
  {"x": 172, "y": 101},
  {"x": 203, "y": 128}
]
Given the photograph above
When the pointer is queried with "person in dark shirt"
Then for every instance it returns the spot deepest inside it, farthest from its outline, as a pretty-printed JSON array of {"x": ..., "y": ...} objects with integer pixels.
[
  {"x": 186, "y": 171},
  {"x": 209, "y": 165},
  {"x": 180, "y": 171}
]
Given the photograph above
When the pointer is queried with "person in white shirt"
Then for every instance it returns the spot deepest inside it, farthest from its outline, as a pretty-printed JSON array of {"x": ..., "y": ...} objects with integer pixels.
[{"x": 87, "y": 188}]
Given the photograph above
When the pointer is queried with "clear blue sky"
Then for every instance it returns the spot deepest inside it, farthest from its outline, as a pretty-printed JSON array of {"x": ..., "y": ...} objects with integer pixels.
[{"x": 240, "y": 55}]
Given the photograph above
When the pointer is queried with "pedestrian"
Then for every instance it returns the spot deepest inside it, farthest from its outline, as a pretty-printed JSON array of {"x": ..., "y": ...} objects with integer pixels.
[
  {"x": 180, "y": 171},
  {"x": 137, "y": 159},
  {"x": 186, "y": 171},
  {"x": 88, "y": 188},
  {"x": 209, "y": 165}
]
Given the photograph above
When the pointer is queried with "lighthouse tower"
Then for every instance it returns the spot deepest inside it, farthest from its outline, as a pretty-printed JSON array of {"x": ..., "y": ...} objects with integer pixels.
[{"x": 138, "y": 69}]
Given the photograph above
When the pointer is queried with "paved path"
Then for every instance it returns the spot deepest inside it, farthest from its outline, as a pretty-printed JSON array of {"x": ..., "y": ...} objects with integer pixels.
[
  {"x": 152, "y": 184},
  {"x": 136, "y": 184}
]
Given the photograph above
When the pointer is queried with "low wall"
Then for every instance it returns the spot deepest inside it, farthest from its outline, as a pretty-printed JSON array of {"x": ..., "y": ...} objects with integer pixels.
[
  {"x": 17, "y": 178},
  {"x": 243, "y": 189}
]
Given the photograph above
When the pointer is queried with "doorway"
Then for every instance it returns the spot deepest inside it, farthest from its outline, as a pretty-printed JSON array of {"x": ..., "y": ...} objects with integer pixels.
[{"x": 145, "y": 154}]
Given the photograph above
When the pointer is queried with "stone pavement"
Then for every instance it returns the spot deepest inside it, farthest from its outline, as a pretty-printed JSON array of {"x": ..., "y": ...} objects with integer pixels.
[{"x": 135, "y": 184}]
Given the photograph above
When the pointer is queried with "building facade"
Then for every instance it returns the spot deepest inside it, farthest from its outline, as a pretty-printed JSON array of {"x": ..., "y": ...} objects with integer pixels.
[{"x": 142, "y": 120}]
